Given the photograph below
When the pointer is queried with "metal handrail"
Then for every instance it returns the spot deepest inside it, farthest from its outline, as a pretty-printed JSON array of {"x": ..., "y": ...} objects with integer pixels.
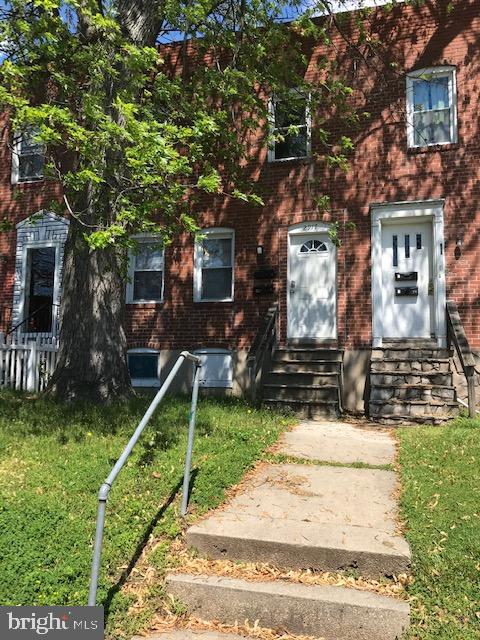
[
  {"x": 107, "y": 485},
  {"x": 457, "y": 335},
  {"x": 30, "y": 316},
  {"x": 263, "y": 340}
]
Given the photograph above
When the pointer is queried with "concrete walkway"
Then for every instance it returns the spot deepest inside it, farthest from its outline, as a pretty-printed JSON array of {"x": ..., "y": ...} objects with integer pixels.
[
  {"x": 338, "y": 442},
  {"x": 306, "y": 516}
]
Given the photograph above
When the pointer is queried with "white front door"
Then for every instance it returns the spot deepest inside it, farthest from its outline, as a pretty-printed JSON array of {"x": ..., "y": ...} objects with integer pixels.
[
  {"x": 311, "y": 295},
  {"x": 407, "y": 280}
]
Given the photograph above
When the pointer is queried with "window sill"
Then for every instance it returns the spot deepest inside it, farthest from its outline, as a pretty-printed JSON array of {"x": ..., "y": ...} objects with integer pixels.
[
  {"x": 229, "y": 300},
  {"x": 280, "y": 161},
  {"x": 431, "y": 148},
  {"x": 149, "y": 302},
  {"x": 146, "y": 383},
  {"x": 17, "y": 183}
]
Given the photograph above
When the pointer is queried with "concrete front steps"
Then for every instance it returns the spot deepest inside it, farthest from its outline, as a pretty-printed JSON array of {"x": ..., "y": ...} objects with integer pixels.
[
  {"x": 333, "y": 613},
  {"x": 411, "y": 382},
  {"x": 307, "y": 517},
  {"x": 305, "y": 380}
]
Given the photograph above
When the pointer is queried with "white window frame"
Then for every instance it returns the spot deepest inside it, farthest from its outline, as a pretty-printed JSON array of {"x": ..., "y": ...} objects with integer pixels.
[
  {"x": 445, "y": 71},
  {"x": 220, "y": 233},
  {"x": 56, "y": 286},
  {"x": 308, "y": 125},
  {"x": 146, "y": 382},
  {"x": 145, "y": 239},
  {"x": 16, "y": 153}
]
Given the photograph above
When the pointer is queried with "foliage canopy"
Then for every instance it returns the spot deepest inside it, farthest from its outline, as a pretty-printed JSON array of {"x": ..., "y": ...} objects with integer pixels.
[{"x": 135, "y": 128}]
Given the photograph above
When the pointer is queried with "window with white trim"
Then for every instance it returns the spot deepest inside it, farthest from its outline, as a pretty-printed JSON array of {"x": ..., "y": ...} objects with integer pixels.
[
  {"x": 431, "y": 107},
  {"x": 214, "y": 266},
  {"x": 291, "y": 130},
  {"x": 27, "y": 157},
  {"x": 144, "y": 367},
  {"x": 146, "y": 268}
]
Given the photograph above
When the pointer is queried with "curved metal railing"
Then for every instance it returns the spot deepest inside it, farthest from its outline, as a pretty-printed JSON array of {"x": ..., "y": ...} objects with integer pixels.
[{"x": 107, "y": 485}]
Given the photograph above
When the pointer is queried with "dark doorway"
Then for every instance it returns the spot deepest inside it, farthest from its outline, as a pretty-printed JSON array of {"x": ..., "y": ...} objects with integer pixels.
[{"x": 40, "y": 282}]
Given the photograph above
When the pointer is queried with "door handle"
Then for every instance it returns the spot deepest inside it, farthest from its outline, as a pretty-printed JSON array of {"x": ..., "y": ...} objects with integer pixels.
[{"x": 292, "y": 286}]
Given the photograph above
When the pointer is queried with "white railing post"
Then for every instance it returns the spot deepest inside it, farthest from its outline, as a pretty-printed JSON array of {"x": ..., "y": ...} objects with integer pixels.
[{"x": 32, "y": 375}]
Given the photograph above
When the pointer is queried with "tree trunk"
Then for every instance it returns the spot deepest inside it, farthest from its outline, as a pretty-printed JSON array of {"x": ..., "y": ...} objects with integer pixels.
[{"x": 92, "y": 363}]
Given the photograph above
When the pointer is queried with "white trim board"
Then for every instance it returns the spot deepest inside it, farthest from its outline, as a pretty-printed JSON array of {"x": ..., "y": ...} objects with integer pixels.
[
  {"x": 432, "y": 210},
  {"x": 42, "y": 229}
]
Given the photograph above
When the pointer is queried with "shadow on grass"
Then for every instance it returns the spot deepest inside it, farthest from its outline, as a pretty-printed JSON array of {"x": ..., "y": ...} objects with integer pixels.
[{"x": 114, "y": 589}]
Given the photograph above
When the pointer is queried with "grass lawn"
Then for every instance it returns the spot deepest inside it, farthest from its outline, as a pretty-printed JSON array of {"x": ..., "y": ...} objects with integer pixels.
[
  {"x": 440, "y": 469},
  {"x": 52, "y": 461}
]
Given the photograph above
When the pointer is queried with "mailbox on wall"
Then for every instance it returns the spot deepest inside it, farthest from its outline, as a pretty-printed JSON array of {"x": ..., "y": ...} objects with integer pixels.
[
  {"x": 409, "y": 275},
  {"x": 406, "y": 291}
]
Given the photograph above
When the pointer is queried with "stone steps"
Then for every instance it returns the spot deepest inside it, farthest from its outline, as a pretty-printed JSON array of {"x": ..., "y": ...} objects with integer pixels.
[
  {"x": 413, "y": 409},
  {"x": 412, "y": 353},
  {"x": 302, "y": 378},
  {"x": 411, "y": 382},
  {"x": 305, "y": 380},
  {"x": 299, "y": 392},
  {"x": 411, "y": 392},
  {"x": 308, "y": 409},
  {"x": 307, "y": 354},
  {"x": 420, "y": 365},
  {"x": 292, "y": 365},
  {"x": 334, "y": 613},
  {"x": 418, "y": 378}
]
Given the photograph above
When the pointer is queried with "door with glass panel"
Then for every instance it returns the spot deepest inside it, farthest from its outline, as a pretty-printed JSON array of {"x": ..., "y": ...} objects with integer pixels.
[{"x": 311, "y": 294}]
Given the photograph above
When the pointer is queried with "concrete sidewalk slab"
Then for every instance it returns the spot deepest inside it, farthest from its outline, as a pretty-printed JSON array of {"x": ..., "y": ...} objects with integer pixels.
[
  {"x": 336, "y": 441},
  {"x": 305, "y": 516}
]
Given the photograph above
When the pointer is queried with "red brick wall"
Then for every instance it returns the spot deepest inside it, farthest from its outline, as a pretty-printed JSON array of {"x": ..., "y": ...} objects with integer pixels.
[
  {"x": 15, "y": 205},
  {"x": 382, "y": 170}
]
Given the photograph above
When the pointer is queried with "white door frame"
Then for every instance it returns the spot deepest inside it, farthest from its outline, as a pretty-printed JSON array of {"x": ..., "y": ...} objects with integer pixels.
[
  {"x": 423, "y": 211},
  {"x": 304, "y": 228}
]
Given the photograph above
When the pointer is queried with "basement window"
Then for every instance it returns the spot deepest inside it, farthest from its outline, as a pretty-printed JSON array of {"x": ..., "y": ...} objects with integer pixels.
[
  {"x": 144, "y": 367},
  {"x": 431, "y": 107}
]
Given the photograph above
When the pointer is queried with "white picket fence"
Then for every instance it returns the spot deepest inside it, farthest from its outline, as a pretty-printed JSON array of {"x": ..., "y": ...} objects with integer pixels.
[{"x": 26, "y": 364}]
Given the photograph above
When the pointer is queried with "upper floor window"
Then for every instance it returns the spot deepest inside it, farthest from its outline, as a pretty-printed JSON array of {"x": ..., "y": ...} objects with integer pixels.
[
  {"x": 291, "y": 130},
  {"x": 214, "y": 260},
  {"x": 146, "y": 266},
  {"x": 431, "y": 107},
  {"x": 27, "y": 157}
]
